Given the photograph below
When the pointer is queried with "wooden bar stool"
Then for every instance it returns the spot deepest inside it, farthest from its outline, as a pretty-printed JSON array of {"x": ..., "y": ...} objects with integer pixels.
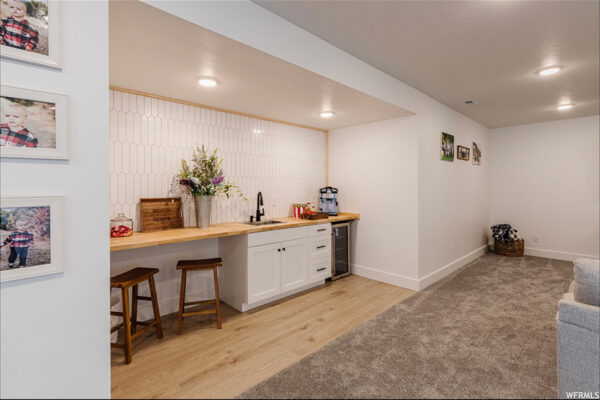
[
  {"x": 124, "y": 281},
  {"x": 198, "y": 265}
]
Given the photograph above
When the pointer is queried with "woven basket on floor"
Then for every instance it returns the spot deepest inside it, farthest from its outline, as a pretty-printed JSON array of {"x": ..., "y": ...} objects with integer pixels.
[{"x": 510, "y": 249}]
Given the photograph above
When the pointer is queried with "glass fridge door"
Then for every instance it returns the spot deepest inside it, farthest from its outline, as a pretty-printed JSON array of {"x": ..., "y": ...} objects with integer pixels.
[{"x": 341, "y": 249}]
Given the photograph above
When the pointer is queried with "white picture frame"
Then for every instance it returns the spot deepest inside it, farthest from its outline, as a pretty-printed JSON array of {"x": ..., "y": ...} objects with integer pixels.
[
  {"x": 53, "y": 58},
  {"x": 56, "y": 246},
  {"x": 60, "y": 150}
]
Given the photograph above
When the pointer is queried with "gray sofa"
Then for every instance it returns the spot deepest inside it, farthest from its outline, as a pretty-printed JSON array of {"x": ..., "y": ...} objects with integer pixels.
[{"x": 578, "y": 333}]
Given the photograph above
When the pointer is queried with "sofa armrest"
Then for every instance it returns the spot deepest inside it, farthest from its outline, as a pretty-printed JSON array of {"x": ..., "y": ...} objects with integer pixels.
[{"x": 579, "y": 314}]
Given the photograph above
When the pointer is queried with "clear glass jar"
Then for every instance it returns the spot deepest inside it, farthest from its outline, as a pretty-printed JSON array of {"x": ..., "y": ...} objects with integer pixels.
[{"x": 121, "y": 226}]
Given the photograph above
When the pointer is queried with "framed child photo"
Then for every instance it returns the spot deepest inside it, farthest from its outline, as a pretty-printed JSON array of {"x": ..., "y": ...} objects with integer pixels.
[
  {"x": 463, "y": 153},
  {"x": 447, "y": 153},
  {"x": 31, "y": 237},
  {"x": 33, "y": 124},
  {"x": 30, "y": 31}
]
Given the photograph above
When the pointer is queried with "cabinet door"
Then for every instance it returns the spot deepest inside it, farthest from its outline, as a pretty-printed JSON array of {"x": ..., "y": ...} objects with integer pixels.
[
  {"x": 294, "y": 264},
  {"x": 263, "y": 272}
]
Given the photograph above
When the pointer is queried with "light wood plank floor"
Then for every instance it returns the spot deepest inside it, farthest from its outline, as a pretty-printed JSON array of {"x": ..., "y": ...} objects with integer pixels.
[{"x": 205, "y": 362}]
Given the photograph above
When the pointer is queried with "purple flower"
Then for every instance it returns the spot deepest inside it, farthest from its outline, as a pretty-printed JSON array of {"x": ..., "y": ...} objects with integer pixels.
[{"x": 216, "y": 180}]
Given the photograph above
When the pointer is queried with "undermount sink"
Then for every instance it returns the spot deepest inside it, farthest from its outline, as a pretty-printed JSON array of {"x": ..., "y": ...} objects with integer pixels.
[{"x": 268, "y": 222}]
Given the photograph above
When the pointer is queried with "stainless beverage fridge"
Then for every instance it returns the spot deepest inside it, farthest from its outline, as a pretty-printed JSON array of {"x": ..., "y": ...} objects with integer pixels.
[{"x": 340, "y": 254}]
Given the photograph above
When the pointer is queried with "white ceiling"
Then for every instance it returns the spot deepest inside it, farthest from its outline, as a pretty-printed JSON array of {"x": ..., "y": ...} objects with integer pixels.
[
  {"x": 488, "y": 51},
  {"x": 145, "y": 57}
]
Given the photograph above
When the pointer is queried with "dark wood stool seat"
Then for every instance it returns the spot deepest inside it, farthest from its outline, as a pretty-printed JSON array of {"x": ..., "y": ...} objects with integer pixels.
[
  {"x": 198, "y": 265},
  {"x": 124, "y": 281}
]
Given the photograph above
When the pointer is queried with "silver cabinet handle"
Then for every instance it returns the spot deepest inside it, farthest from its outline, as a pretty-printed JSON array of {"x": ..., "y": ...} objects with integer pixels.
[
  {"x": 321, "y": 269},
  {"x": 320, "y": 247},
  {"x": 321, "y": 230}
]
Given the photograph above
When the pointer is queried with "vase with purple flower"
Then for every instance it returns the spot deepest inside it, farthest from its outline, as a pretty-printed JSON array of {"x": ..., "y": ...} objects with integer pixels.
[{"x": 204, "y": 179}]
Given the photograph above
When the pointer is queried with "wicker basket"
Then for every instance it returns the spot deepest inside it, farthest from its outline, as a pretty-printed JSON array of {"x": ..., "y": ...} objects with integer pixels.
[{"x": 510, "y": 249}]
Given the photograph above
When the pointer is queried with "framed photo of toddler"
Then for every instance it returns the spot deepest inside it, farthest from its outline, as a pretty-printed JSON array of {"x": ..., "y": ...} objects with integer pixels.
[
  {"x": 31, "y": 237},
  {"x": 33, "y": 124},
  {"x": 30, "y": 31}
]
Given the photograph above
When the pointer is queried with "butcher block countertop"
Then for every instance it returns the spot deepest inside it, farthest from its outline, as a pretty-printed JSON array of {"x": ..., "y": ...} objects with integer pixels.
[{"x": 149, "y": 239}]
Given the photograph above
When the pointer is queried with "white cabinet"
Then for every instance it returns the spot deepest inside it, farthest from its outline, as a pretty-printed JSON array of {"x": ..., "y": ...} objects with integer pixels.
[
  {"x": 294, "y": 264},
  {"x": 262, "y": 267},
  {"x": 264, "y": 272},
  {"x": 276, "y": 268}
]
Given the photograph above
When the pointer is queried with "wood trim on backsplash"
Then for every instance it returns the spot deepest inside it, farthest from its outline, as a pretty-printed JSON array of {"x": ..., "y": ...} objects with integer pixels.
[
  {"x": 326, "y": 158},
  {"x": 191, "y": 103}
]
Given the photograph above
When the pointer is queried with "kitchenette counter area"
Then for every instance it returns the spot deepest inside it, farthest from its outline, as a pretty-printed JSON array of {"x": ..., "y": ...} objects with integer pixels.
[{"x": 149, "y": 239}]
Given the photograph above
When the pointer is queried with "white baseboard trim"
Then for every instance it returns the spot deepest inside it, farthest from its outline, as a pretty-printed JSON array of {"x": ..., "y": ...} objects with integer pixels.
[
  {"x": 557, "y": 255},
  {"x": 386, "y": 277},
  {"x": 446, "y": 270}
]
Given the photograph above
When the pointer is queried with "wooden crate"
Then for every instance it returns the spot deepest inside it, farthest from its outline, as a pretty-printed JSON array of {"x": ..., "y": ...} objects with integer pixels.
[{"x": 158, "y": 214}]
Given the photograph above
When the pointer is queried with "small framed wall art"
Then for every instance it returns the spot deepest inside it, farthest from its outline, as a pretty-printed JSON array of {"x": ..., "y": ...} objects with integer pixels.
[
  {"x": 447, "y": 147},
  {"x": 476, "y": 154},
  {"x": 463, "y": 153},
  {"x": 31, "y": 236},
  {"x": 33, "y": 124},
  {"x": 30, "y": 31}
]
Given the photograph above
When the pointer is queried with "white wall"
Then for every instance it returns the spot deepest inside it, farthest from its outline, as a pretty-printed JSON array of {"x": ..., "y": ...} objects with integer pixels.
[
  {"x": 545, "y": 182},
  {"x": 375, "y": 168},
  {"x": 453, "y": 196},
  {"x": 55, "y": 329},
  {"x": 421, "y": 218}
]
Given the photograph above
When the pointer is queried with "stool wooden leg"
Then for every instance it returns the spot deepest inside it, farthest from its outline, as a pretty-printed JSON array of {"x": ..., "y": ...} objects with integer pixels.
[
  {"x": 217, "y": 300},
  {"x": 181, "y": 302},
  {"x": 159, "y": 333},
  {"x": 134, "y": 309},
  {"x": 127, "y": 321}
]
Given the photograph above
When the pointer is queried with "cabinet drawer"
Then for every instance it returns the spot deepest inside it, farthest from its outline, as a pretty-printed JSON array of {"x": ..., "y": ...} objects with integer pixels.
[
  {"x": 321, "y": 229},
  {"x": 279, "y": 235},
  {"x": 320, "y": 246},
  {"x": 319, "y": 269}
]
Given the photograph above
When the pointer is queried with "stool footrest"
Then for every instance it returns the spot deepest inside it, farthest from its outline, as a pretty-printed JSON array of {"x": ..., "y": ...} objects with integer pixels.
[
  {"x": 143, "y": 322},
  {"x": 117, "y": 327},
  {"x": 117, "y": 345},
  {"x": 144, "y": 298},
  {"x": 116, "y": 313},
  {"x": 192, "y": 303},
  {"x": 143, "y": 330},
  {"x": 203, "y": 312}
]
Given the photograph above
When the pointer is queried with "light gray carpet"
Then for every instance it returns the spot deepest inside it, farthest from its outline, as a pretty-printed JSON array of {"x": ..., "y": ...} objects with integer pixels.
[{"x": 487, "y": 331}]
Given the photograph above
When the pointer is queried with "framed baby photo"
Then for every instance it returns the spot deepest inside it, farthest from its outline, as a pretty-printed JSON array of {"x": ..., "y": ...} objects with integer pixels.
[
  {"x": 31, "y": 237},
  {"x": 33, "y": 124},
  {"x": 463, "y": 153},
  {"x": 30, "y": 31}
]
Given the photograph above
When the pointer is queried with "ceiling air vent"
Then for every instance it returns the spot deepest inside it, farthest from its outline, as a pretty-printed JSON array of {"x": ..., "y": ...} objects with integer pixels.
[{"x": 470, "y": 102}]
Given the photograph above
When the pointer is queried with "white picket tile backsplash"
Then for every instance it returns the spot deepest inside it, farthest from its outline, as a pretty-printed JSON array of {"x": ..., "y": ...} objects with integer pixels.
[{"x": 149, "y": 137}]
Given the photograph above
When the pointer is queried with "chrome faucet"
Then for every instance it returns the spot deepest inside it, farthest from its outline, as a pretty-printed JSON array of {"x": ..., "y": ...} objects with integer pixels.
[{"x": 259, "y": 202}]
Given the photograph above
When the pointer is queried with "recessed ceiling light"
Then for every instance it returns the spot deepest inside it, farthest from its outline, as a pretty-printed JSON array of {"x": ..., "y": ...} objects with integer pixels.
[
  {"x": 326, "y": 114},
  {"x": 549, "y": 71},
  {"x": 565, "y": 106},
  {"x": 207, "y": 82}
]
